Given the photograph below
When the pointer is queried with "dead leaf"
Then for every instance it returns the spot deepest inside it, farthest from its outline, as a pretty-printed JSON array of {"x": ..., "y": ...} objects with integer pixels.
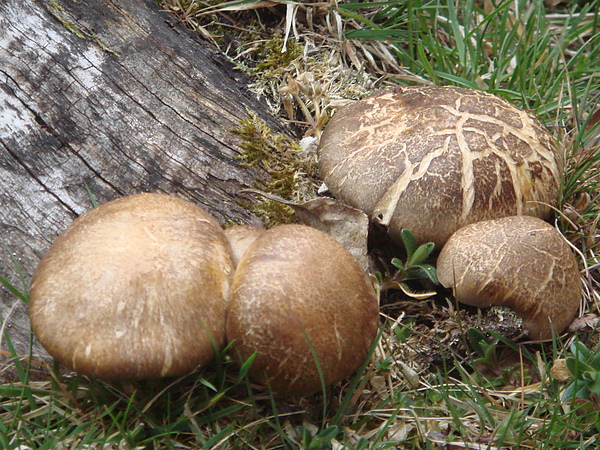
[
  {"x": 588, "y": 323},
  {"x": 410, "y": 375},
  {"x": 407, "y": 290},
  {"x": 378, "y": 384},
  {"x": 593, "y": 120},
  {"x": 398, "y": 432},
  {"x": 559, "y": 370}
]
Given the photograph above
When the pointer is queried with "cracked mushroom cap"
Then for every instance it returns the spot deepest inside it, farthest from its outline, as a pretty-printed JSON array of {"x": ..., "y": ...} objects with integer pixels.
[
  {"x": 519, "y": 262},
  {"x": 434, "y": 159},
  {"x": 296, "y": 285},
  {"x": 134, "y": 289}
]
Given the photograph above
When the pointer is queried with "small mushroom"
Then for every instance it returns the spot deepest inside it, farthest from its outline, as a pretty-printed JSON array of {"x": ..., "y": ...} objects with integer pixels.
[
  {"x": 241, "y": 237},
  {"x": 134, "y": 289},
  {"x": 434, "y": 159},
  {"x": 300, "y": 301},
  {"x": 520, "y": 262}
]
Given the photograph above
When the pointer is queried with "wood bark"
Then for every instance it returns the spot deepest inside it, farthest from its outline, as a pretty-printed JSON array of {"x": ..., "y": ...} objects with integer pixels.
[{"x": 111, "y": 97}]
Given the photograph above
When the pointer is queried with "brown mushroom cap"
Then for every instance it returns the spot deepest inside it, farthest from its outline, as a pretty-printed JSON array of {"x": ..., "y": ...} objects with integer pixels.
[
  {"x": 241, "y": 237},
  {"x": 434, "y": 159},
  {"x": 296, "y": 285},
  {"x": 519, "y": 262},
  {"x": 134, "y": 289}
]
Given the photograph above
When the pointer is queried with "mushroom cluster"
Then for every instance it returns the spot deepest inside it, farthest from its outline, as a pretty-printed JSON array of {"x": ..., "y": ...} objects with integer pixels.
[
  {"x": 156, "y": 286},
  {"x": 139, "y": 288},
  {"x": 434, "y": 160}
]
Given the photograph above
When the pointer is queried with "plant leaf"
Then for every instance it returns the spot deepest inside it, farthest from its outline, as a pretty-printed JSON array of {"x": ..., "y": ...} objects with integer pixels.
[
  {"x": 398, "y": 264},
  {"x": 430, "y": 271},
  {"x": 419, "y": 255},
  {"x": 12, "y": 289},
  {"x": 246, "y": 367},
  {"x": 578, "y": 368},
  {"x": 477, "y": 341},
  {"x": 410, "y": 243},
  {"x": 208, "y": 384},
  {"x": 580, "y": 351}
]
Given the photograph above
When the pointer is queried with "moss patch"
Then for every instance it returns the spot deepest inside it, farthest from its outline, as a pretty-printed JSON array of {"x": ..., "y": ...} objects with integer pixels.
[
  {"x": 275, "y": 56},
  {"x": 290, "y": 172}
]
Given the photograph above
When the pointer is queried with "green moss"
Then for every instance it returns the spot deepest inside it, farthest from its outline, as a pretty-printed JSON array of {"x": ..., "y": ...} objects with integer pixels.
[
  {"x": 289, "y": 172},
  {"x": 273, "y": 61}
]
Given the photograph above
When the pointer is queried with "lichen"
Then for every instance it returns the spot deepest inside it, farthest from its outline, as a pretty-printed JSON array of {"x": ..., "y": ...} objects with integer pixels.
[
  {"x": 290, "y": 172},
  {"x": 63, "y": 17}
]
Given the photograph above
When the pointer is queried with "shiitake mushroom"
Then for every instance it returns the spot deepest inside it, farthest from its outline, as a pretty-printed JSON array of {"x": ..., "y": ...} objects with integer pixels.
[
  {"x": 301, "y": 304},
  {"x": 520, "y": 262},
  {"x": 134, "y": 289},
  {"x": 433, "y": 159}
]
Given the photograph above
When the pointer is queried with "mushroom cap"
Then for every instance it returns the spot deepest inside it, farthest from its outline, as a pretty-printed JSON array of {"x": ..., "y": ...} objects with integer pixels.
[
  {"x": 134, "y": 289},
  {"x": 241, "y": 237},
  {"x": 434, "y": 159},
  {"x": 296, "y": 285},
  {"x": 520, "y": 262}
]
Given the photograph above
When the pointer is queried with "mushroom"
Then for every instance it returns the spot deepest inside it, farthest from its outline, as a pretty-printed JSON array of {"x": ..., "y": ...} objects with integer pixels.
[
  {"x": 434, "y": 159},
  {"x": 520, "y": 262},
  {"x": 301, "y": 303},
  {"x": 134, "y": 289},
  {"x": 241, "y": 237}
]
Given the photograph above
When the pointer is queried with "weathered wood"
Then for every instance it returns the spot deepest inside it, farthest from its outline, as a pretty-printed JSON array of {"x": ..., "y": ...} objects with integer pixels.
[{"x": 114, "y": 96}]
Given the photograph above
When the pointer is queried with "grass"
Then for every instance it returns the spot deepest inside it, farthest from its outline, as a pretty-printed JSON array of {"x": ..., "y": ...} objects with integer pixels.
[{"x": 435, "y": 379}]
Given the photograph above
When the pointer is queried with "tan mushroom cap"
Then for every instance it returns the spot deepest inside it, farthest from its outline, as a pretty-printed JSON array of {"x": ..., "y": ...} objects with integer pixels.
[
  {"x": 241, "y": 237},
  {"x": 296, "y": 285},
  {"x": 519, "y": 262},
  {"x": 434, "y": 159},
  {"x": 134, "y": 289}
]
